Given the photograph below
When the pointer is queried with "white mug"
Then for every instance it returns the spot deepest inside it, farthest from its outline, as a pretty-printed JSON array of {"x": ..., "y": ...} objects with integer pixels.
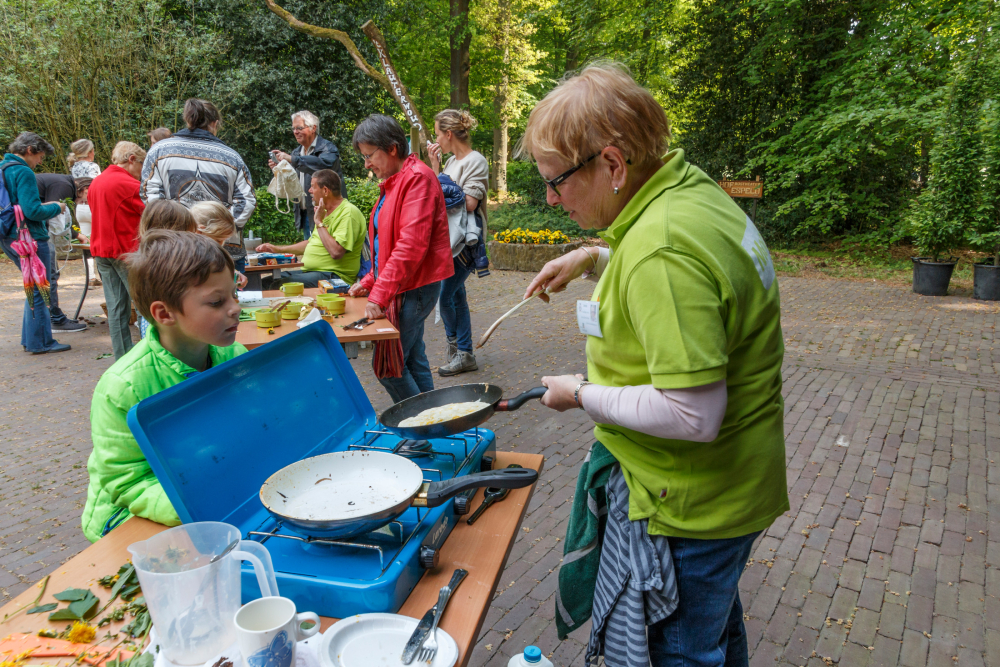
[{"x": 267, "y": 629}]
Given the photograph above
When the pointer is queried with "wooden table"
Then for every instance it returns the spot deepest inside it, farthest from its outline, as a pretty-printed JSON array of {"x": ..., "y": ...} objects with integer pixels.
[
  {"x": 254, "y": 273},
  {"x": 253, "y": 336},
  {"x": 481, "y": 548}
]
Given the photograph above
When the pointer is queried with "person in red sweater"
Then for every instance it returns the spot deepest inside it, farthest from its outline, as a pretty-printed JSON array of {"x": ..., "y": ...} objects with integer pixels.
[
  {"x": 115, "y": 210},
  {"x": 411, "y": 254}
]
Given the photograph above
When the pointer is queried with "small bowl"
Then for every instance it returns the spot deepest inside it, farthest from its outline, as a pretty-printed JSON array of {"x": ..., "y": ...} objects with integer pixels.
[
  {"x": 292, "y": 289},
  {"x": 332, "y": 304},
  {"x": 291, "y": 311},
  {"x": 266, "y": 319}
]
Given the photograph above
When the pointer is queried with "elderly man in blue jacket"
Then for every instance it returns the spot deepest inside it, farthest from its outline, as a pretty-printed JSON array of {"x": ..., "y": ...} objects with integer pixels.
[{"x": 313, "y": 153}]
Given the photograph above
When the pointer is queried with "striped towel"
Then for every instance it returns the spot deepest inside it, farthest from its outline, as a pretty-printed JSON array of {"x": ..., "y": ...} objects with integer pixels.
[{"x": 635, "y": 586}]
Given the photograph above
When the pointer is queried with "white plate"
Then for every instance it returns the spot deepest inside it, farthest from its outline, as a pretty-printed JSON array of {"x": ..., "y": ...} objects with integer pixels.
[{"x": 377, "y": 640}]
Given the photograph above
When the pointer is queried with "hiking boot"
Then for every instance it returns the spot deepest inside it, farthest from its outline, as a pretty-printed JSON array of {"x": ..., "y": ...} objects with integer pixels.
[
  {"x": 463, "y": 362},
  {"x": 96, "y": 282},
  {"x": 68, "y": 326},
  {"x": 452, "y": 349}
]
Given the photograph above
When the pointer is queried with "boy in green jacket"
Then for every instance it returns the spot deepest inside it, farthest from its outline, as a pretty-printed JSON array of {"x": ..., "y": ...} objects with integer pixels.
[{"x": 182, "y": 283}]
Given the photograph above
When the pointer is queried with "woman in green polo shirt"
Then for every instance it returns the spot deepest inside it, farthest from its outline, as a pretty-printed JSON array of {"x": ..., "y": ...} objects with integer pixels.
[{"x": 684, "y": 365}]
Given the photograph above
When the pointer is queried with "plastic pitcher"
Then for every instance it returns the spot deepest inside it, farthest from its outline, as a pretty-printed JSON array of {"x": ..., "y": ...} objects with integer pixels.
[
  {"x": 532, "y": 657},
  {"x": 190, "y": 577}
]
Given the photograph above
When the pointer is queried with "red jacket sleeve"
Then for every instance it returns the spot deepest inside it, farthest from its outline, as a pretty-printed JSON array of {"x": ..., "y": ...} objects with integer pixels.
[{"x": 415, "y": 222}]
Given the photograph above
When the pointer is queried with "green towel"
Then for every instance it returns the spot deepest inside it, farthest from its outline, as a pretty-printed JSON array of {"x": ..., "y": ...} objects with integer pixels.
[{"x": 582, "y": 551}]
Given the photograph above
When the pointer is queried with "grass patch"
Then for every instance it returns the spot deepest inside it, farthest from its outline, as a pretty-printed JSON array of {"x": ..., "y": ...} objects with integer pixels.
[{"x": 853, "y": 261}]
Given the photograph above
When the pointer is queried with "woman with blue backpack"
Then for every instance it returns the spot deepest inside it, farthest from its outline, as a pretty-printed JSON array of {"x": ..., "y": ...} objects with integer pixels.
[
  {"x": 18, "y": 188},
  {"x": 469, "y": 170}
]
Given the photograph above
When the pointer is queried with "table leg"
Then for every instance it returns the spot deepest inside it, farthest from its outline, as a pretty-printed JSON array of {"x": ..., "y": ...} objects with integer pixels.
[
  {"x": 86, "y": 286},
  {"x": 254, "y": 283}
]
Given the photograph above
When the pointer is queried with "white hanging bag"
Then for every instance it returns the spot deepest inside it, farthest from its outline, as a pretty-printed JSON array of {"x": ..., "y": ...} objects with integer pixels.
[{"x": 285, "y": 185}]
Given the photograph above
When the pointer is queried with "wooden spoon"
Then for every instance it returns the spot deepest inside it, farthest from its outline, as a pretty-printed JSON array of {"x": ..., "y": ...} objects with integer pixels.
[{"x": 493, "y": 327}]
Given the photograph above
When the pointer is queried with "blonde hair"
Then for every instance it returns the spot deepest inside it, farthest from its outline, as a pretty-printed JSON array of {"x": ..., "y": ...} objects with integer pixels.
[
  {"x": 124, "y": 150},
  {"x": 458, "y": 122},
  {"x": 166, "y": 214},
  {"x": 79, "y": 150},
  {"x": 599, "y": 107},
  {"x": 214, "y": 220}
]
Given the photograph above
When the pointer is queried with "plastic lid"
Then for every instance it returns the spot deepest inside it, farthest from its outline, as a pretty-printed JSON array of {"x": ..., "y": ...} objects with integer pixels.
[{"x": 532, "y": 654}]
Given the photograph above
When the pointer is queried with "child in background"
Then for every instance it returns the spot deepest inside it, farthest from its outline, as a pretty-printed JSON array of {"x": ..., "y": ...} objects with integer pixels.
[
  {"x": 216, "y": 222},
  {"x": 163, "y": 214},
  {"x": 182, "y": 284},
  {"x": 166, "y": 214}
]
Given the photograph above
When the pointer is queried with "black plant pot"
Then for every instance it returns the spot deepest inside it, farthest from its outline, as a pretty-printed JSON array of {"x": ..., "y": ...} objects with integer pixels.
[
  {"x": 931, "y": 278},
  {"x": 986, "y": 281}
]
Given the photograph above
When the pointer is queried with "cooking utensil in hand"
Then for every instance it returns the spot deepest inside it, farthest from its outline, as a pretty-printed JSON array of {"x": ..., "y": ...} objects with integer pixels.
[
  {"x": 491, "y": 495},
  {"x": 490, "y": 394},
  {"x": 493, "y": 327},
  {"x": 278, "y": 306},
  {"x": 344, "y": 494},
  {"x": 431, "y": 618}
]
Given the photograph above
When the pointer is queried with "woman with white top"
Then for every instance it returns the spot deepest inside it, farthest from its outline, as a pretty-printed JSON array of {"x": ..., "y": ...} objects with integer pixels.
[
  {"x": 471, "y": 172},
  {"x": 81, "y": 159}
]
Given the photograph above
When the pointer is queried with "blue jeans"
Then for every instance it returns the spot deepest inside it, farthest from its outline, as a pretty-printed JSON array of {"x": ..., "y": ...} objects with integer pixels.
[
  {"x": 417, "y": 378},
  {"x": 707, "y": 628},
  {"x": 36, "y": 326},
  {"x": 455, "y": 308}
]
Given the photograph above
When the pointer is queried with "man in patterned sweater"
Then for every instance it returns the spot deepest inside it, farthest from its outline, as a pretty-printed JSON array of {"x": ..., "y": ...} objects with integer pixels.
[{"x": 195, "y": 165}]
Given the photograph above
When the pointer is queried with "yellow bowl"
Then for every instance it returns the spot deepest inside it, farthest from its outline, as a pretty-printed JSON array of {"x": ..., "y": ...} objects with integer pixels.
[
  {"x": 332, "y": 304},
  {"x": 291, "y": 311},
  {"x": 266, "y": 319},
  {"x": 292, "y": 289}
]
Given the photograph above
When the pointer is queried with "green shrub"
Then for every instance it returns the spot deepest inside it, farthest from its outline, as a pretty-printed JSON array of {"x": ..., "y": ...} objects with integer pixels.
[
  {"x": 363, "y": 193},
  {"x": 535, "y": 219},
  {"x": 524, "y": 181},
  {"x": 270, "y": 224}
]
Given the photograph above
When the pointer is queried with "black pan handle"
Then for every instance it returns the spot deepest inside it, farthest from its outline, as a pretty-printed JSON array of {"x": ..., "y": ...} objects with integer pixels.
[
  {"x": 507, "y": 478},
  {"x": 510, "y": 404}
]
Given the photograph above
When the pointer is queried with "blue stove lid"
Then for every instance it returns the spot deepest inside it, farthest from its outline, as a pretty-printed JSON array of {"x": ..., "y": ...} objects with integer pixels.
[{"x": 213, "y": 439}]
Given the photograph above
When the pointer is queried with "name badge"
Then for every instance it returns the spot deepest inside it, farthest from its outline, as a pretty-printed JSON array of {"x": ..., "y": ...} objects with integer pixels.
[{"x": 587, "y": 316}]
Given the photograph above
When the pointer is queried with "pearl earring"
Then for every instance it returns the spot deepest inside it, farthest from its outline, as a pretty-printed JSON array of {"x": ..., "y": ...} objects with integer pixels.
[{"x": 616, "y": 190}]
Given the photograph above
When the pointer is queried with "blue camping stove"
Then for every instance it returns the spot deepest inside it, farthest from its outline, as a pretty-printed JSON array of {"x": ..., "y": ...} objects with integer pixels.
[{"x": 213, "y": 440}]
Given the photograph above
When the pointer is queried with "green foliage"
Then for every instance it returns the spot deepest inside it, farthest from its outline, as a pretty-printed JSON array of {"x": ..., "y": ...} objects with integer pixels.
[
  {"x": 523, "y": 180},
  {"x": 531, "y": 211},
  {"x": 95, "y": 69},
  {"x": 271, "y": 71},
  {"x": 949, "y": 207},
  {"x": 363, "y": 193},
  {"x": 271, "y": 224}
]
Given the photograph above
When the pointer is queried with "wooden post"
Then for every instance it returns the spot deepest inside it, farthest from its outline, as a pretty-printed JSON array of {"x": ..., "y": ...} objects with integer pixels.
[{"x": 397, "y": 88}]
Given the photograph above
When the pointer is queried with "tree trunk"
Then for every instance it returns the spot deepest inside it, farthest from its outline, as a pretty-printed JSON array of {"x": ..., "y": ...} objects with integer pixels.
[
  {"x": 500, "y": 130},
  {"x": 459, "y": 42}
]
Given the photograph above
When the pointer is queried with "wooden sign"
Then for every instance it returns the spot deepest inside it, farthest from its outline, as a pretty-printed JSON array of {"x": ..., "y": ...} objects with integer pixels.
[{"x": 745, "y": 189}]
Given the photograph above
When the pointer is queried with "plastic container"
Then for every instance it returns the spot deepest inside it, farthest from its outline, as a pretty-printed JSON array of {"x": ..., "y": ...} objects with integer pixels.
[
  {"x": 293, "y": 289},
  {"x": 986, "y": 281},
  {"x": 190, "y": 577},
  {"x": 267, "y": 318},
  {"x": 331, "y": 303},
  {"x": 291, "y": 311},
  {"x": 931, "y": 278},
  {"x": 532, "y": 657},
  {"x": 83, "y": 218}
]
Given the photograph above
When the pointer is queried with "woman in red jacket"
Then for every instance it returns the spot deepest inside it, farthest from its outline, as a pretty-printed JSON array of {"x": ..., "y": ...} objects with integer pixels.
[
  {"x": 411, "y": 249},
  {"x": 115, "y": 210}
]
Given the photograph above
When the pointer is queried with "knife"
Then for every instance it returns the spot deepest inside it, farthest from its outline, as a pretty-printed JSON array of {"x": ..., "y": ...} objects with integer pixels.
[{"x": 424, "y": 626}]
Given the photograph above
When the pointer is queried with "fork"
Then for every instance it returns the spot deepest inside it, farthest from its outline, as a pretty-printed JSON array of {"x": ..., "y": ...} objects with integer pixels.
[{"x": 430, "y": 646}]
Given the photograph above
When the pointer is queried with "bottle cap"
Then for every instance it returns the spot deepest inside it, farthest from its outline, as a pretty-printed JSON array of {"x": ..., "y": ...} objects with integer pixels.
[{"x": 532, "y": 654}]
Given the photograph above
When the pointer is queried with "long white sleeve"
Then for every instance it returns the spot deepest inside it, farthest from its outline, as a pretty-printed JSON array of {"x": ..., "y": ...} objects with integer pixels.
[
  {"x": 692, "y": 414},
  {"x": 603, "y": 257}
]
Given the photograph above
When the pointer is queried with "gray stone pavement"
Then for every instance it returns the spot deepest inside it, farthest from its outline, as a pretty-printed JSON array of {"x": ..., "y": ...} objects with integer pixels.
[{"x": 890, "y": 554}]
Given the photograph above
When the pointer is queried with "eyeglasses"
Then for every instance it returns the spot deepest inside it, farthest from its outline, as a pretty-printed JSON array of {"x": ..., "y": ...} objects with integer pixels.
[
  {"x": 368, "y": 158},
  {"x": 299, "y": 129},
  {"x": 561, "y": 178}
]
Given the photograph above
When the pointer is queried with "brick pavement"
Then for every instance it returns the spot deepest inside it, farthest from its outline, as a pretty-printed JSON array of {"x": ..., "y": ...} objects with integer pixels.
[{"x": 889, "y": 555}]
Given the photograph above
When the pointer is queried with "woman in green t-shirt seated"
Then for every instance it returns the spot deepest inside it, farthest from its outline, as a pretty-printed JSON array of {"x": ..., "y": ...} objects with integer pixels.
[
  {"x": 334, "y": 251},
  {"x": 684, "y": 354}
]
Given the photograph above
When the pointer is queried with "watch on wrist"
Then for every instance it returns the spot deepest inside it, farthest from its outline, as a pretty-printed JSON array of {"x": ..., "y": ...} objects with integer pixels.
[{"x": 576, "y": 393}]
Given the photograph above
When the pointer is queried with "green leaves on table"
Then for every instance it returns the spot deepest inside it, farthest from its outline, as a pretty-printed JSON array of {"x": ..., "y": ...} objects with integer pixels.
[
  {"x": 82, "y": 605},
  {"x": 42, "y": 608}
]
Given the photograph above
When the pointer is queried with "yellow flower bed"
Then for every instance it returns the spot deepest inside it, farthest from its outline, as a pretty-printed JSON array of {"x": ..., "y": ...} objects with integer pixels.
[{"x": 544, "y": 237}]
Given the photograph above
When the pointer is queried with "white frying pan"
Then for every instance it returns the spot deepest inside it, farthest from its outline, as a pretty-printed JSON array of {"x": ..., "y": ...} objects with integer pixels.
[{"x": 345, "y": 494}]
